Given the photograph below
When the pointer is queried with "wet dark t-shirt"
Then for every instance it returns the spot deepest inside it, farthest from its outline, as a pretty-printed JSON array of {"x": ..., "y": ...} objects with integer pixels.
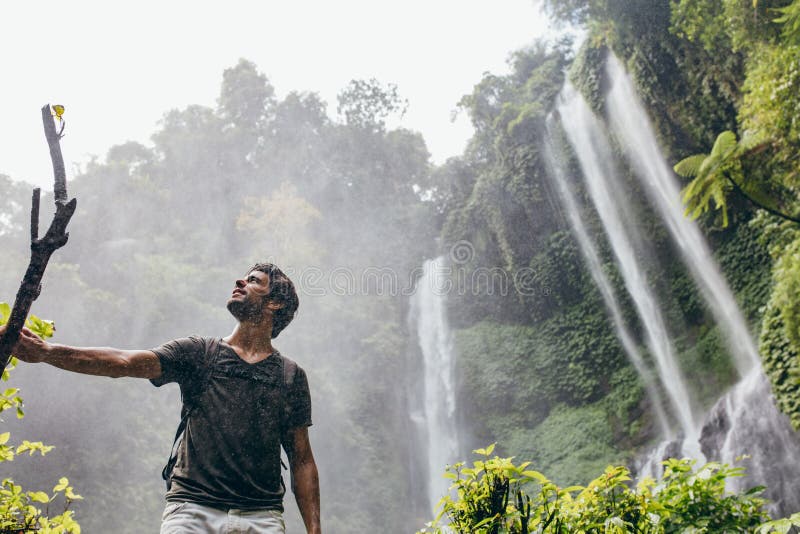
[{"x": 230, "y": 453}]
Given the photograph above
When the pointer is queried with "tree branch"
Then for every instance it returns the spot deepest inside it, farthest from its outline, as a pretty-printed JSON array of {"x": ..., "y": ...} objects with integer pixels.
[
  {"x": 761, "y": 205},
  {"x": 41, "y": 249},
  {"x": 53, "y": 141}
]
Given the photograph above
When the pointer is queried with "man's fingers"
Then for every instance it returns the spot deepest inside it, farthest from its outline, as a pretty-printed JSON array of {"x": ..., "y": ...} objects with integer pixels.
[{"x": 28, "y": 333}]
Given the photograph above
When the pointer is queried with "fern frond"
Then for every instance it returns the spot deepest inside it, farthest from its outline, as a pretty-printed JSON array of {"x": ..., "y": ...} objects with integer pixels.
[
  {"x": 689, "y": 167},
  {"x": 724, "y": 146}
]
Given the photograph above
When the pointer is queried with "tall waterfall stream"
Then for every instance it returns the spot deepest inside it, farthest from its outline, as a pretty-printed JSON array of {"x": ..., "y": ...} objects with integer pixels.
[
  {"x": 436, "y": 425},
  {"x": 744, "y": 421}
]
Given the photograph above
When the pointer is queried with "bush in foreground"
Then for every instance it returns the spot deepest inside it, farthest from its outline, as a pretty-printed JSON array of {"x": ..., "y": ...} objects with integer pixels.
[
  {"x": 496, "y": 496},
  {"x": 21, "y": 510}
]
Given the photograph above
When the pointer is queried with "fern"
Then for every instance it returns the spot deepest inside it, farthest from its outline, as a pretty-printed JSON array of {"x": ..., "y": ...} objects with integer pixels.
[{"x": 790, "y": 18}]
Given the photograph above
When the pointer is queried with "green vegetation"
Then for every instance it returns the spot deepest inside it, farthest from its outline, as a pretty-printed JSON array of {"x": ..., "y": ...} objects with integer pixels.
[
  {"x": 332, "y": 193},
  {"x": 494, "y": 495},
  {"x": 718, "y": 79},
  {"x": 20, "y": 509}
]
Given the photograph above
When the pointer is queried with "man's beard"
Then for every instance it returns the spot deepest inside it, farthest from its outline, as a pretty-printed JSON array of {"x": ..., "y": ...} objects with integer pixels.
[{"x": 246, "y": 311}]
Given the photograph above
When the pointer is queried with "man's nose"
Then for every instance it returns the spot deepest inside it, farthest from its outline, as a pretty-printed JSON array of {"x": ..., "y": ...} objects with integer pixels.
[{"x": 240, "y": 283}]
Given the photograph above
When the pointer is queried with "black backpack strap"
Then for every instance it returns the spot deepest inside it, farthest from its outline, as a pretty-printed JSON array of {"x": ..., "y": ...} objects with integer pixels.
[
  {"x": 288, "y": 370},
  {"x": 189, "y": 406}
]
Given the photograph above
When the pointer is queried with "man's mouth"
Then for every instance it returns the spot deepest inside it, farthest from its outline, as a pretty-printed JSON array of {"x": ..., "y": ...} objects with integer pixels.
[{"x": 237, "y": 292}]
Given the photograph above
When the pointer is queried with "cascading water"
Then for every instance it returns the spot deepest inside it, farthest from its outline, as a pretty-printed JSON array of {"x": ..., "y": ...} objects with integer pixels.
[
  {"x": 436, "y": 424},
  {"x": 744, "y": 420},
  {"x": 631, "y": 125},
  {"x": 592, "y": 258},
  {"x": 594, "y": 154}
]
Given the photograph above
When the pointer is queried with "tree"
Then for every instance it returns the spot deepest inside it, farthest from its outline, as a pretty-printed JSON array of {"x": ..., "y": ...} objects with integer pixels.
[{"x": 367, "y": 103}]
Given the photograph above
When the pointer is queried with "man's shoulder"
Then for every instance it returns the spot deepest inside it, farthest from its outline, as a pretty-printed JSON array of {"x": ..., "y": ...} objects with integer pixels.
[
  {"x": 182, "y": 359},
  {"x": 192, "y": 347},
  {"x": 291, "y": 369}
]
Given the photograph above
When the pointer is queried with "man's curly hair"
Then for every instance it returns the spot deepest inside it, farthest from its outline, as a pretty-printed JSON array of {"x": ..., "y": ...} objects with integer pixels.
[{"x": 281, "y": 290}]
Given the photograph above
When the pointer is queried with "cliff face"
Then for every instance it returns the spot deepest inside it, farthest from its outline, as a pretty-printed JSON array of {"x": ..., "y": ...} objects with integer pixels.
[{"x": 542, "y": 370}]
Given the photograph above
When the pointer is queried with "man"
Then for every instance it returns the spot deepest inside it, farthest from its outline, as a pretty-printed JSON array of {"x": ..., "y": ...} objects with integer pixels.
[{"x": 242, "y": 400}]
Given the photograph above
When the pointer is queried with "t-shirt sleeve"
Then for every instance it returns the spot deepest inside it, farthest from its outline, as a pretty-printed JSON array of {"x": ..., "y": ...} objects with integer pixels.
[
  {"x": 299, "y": 397},
  {"x": 180, "y": 360}
]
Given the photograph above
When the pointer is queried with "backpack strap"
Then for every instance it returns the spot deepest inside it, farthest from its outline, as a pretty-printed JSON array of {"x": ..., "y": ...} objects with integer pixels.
[
  {"x": 289, "y": 370},
  {"x": 189, "y": 405}
]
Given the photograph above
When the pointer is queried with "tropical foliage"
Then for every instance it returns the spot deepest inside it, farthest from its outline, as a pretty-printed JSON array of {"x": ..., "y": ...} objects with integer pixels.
[
  {"x": 496, "y": 496},
  {"x": 20, "y": 509}
]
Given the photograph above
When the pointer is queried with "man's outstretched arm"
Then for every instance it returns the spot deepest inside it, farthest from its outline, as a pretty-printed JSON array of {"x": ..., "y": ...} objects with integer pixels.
[
  {"x": 305, "y": 480},
  {"x": 100, "y": 361}
]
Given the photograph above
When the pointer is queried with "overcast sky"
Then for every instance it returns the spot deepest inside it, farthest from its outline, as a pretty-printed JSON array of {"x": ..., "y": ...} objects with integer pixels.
[{"x": 117, "y": 68}]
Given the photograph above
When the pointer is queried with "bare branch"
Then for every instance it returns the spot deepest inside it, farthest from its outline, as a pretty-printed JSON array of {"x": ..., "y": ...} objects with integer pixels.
[
  {"x": 759, "y": 204},
  {"x": 41, "y": 249},
  {"x": 35, "y": 214},
  {"x": 59, "y": 174}
]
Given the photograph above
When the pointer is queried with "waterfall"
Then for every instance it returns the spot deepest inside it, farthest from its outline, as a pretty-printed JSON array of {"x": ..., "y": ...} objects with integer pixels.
[
  {"x": 744, "y": 421},
  {"x": 592, "y": 258},
  {"x": 631, "y": 125},
  {"x": 587, "y": 138},
  {"x": 435, "y": 423}
]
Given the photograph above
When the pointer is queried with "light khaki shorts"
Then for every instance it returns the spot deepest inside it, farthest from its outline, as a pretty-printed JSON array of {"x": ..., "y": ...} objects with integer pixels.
[{"x": 191, "y": 518}]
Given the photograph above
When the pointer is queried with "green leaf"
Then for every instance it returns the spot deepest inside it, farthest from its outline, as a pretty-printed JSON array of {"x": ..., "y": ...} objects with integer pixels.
[
  {"x": 724, "y": 146},
  {"x": 689, "y": 167},
  {"x": 537, "y": 476},
  {"x": 39, "y": 496},
  {"x": 62, "y": 484}
]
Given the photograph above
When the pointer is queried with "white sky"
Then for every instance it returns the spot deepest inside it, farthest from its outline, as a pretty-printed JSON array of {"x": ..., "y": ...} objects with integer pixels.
[{"x": 117, "y": 68}]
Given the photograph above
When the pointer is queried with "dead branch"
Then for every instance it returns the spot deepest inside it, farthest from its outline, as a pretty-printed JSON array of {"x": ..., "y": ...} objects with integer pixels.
[{"x": 41, "y": 249}]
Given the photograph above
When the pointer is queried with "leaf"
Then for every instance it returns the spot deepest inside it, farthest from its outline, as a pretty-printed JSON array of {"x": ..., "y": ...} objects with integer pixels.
[
  {"x": 42, "y": 328},
  {"x": 69, "y": 494},
  {"x": 724, "y": 146},
  {"x": 537, "y": 476},
  {"x": 689, "y": 167},
  {"x": 39, "y": 496},
  {"x": 62, "y": 484},
  {"x": 4, "y": 437},
  {"x": 5, "y": 312}
]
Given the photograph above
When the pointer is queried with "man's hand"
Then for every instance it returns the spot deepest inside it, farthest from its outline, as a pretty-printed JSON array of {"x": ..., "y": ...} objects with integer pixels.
[
  {"x": 305, "y": 480},
  {"x": 30, "y": 347}
]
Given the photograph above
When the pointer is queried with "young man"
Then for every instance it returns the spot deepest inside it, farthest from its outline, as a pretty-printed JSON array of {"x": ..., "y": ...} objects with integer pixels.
[{"x": 242, "y": 401}]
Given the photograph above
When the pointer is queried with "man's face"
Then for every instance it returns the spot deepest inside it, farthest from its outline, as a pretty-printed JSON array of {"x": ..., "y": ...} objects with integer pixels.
[{"x": 249, "y": 298}]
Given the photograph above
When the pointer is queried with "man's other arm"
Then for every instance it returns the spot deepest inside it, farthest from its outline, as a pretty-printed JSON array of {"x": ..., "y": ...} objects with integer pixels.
[
  {"x": 305, "y": 480},
  {"x": 100, "y": 361}
]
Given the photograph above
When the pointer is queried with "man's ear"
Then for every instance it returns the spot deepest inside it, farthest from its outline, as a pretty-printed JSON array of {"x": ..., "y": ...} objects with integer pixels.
[{"x": 273, "y": 305}]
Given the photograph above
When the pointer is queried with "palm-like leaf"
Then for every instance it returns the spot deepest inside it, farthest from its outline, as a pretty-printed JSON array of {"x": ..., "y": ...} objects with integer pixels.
[
  {"x": 790, "y": 18},
  {"x": 689, "y": 167},
  {"x": 725, "y": 146},
  {"x": 710, "y": 183}
]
